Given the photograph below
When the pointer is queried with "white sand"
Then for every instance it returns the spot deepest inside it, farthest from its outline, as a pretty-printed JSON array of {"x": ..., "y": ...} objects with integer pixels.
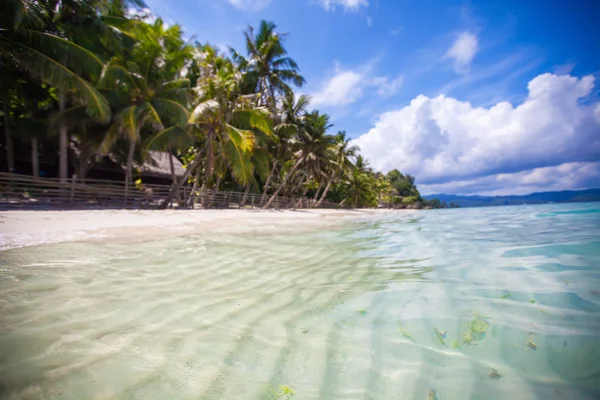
[{"x": 27, "y": 228}]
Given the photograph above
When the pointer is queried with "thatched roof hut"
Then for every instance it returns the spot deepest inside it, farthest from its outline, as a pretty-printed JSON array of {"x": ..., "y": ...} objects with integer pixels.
[{"x": 158, "y": 165}]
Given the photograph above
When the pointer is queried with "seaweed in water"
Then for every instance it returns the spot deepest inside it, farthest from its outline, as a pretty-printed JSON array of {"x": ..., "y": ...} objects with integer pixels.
[
  {"x": 530, "y": 342},
  {"x": 477, "y": 330},
  {"x": 440, "y": 335},
  {"x": 455, "y": 344},
  {"x": 405, "y": 333},
  {"x": 284, "y": 392}
]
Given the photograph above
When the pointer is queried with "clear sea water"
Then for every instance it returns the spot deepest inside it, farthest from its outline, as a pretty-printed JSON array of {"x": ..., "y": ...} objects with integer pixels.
[{"x": 495, "y": 303}]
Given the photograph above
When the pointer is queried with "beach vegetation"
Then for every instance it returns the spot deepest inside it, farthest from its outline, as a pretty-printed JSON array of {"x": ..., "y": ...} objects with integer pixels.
[{"x": 89, "y": 82}]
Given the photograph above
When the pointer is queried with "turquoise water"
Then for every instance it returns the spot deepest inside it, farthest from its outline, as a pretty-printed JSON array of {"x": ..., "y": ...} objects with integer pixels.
[{"x": 488, "y": 303}]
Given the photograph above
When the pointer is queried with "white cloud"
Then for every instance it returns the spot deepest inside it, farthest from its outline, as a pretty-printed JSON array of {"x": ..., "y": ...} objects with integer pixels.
[
  {"x": 463, "y": 51},
  {"x": 386, "y": 86},
  {"x": 369, "y": 21},
  {"x": 575, "y": 175},
  {"x": 249, "y": 5},
  {"x": 442, "y": 139},
  {"x": 349, "y": 5},
  {"x": 345, "y": 87}
]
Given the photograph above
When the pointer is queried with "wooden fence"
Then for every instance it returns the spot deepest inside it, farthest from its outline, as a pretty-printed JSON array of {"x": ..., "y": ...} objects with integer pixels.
[{"x": 27, "y": 192}]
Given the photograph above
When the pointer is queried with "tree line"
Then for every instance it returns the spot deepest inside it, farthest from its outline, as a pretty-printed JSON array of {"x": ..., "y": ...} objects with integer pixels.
[{"x": 81, "y": 80}]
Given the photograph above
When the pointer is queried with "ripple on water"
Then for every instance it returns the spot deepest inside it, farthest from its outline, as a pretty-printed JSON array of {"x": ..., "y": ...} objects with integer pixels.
[{"x": 478, "y": 303}]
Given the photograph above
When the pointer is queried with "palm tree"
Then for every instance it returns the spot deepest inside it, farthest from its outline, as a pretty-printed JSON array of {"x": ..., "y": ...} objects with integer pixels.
[
  {"x": 148, "y": 91},
  {"x": 227, "y": 120},
  {"x": 344, "y": 152},
  {"x": 290, "y": 117},
  {"x": 311, "y": 148},
  {"x": 32, "y": 39},
  {"x": 267, "y": 67}
]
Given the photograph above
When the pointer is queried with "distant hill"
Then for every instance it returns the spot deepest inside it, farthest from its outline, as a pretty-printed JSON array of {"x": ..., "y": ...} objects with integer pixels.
[{"x": 565, "y": 196}]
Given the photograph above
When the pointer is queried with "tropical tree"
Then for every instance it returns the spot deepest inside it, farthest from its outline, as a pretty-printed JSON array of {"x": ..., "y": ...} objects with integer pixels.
[
  {"x": 311, "y": 148},
  {"x": 341, "y": 163},
  {"x": 227, "y": 120},
  {"x": 148, "y": 91},
  {"x": 33, "y": 38},
  {"x": 268, "y": 69}
]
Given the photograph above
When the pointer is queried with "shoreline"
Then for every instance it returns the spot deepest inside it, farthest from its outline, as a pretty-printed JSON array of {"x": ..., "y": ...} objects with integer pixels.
[{"x": 31, "y": 228}]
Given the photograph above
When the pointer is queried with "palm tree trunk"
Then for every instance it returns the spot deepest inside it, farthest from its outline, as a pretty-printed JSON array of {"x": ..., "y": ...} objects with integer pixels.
[
  {"x": 325, "y": 192},
  {"x": 266, "y": 188},
  {"x": 299, "y": 203},
  {"x": 35, "y": 161},
  {"x": 193, "y": 195},
  {"x": 129, "y": 168},
  {"x": 246, "y": 193},
  {"x": 215, "y": 191},
  {"x": 285, "y": 181},
  {"x": 10, "y": 154},
  {"x": 173, "y": 176},
  {"x": 62, "y": 141},
  {"x": 182, "y": 180},
  {"x": 172, "y": 166}
]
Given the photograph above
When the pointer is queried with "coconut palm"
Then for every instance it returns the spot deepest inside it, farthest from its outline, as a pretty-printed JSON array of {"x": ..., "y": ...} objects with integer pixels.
[
  {"x": 149, "y": 94},
  {"x": 268, "y": 69},
  {"x": 32, "y": 39},
  {"x": 290, "y": 117},
  {"x": 312, "y": 147},
  {"x": 227, "y": 120},
  {"x": 344, "y": 152}
]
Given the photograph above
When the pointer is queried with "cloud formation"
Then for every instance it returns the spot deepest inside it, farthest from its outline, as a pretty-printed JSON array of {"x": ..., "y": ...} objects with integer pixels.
[
  {"x": 348, "y": 5},
  {"x": 348, "y": 86},
  {"x": 446, "y": 141},
  {"x": 343, "y": 88},
  {"x": 463, "y": 51},
  {"x": 576, "y": 175}
]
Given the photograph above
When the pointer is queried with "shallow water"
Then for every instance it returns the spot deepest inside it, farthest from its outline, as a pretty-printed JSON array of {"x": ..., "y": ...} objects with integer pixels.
[{"x": 450, "y": 304}]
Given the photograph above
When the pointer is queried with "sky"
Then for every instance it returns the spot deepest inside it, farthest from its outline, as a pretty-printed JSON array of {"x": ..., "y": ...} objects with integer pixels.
[{"x": 488, "y": 97}]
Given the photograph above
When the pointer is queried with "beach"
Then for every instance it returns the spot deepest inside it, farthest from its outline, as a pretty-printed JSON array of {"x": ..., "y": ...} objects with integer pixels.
[{"x": 26, "y": 228}]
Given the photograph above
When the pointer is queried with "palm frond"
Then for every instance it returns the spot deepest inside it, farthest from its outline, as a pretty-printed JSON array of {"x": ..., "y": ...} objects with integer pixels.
[
  {"x": 203, "y": 109},
  {"x": 238, "y": 151},
  {"x": 149, "y": 115},
  {"x": 52, "y": 72},
  {"x": 74, "y": 56},
  {"x": 174, "y": 136},
  {"x": 19, "y": 14},
  {"x": 172, "y": 112},
  {"x": 252, "y": 119}
]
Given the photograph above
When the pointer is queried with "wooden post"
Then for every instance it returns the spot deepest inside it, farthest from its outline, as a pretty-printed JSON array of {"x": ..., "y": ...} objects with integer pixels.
[{"x": 73, "y": 180}]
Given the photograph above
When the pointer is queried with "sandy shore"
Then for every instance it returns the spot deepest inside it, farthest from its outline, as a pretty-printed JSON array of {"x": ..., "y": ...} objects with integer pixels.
[{"x": 27, "y": 228}]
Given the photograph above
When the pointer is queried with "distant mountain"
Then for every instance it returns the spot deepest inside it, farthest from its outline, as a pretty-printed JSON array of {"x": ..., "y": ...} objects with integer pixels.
[{"x": 565, "y": 196}]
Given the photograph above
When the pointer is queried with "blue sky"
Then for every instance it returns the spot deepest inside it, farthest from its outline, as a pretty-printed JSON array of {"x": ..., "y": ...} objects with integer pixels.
[{"x": 489, "y": 97}]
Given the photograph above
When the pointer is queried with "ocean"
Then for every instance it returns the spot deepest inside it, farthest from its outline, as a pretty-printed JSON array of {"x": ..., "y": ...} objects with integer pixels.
[{"x": 480, "y": 303}]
